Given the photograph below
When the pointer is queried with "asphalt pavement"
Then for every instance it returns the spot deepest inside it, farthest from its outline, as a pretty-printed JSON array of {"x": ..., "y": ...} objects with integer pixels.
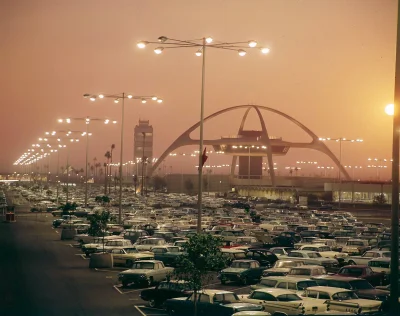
[{"x": 42, "y": 275}]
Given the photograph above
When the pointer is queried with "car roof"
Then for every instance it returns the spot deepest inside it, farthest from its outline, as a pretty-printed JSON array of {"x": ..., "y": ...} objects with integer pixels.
[
  {"x": 328, "y": 289},
  {"x": 231, "y": 250},
  {"x": 152, "y": 261},
  {"x": 360, "y": 266},
  {"x": 286, "y": 278},
  {"x": 245, "y": 260},
  {"x": 213, "y": 292},
  {"x": 274, "y": 291},
  {"x": 335, "y": 278}
]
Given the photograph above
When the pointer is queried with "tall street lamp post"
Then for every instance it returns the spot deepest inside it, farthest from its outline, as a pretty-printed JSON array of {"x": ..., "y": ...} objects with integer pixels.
[
  {"x": 393, "y": 110},
  {"x": 340, "y": 140},
  {"x": 86, "y": 134},
  {"x": 201, "y": 45},
  {"x": 117, "y": 98}
]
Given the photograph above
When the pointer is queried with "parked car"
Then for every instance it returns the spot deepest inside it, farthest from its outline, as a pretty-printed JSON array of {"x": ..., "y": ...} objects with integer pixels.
[
  {"x": 367, "y": 256},
  {"x": 293, "y": 284},
  {"x": 361, "y": 287},
  {"x": 356, "y": 247},
  {"x": 342, "y": 300},
  {"x": 166, "y": 290},
  {"x": 209, "y": 303},
  {"x": 282, "y": 267},
  {"x": 128, "y": 256},
  {"x": 146, "y": 272},
  {"x": 242, "y": 271},
  {"x": 284, "y": 301},
  {"x": 314, "y": 258},
  {"x": 149, "y": 243},
  {"x": 364, "y": 272},
  {"x": 167, "y": 254},
  {"x": 265, "y": 257},
  {"x": 307, "y": 271}
]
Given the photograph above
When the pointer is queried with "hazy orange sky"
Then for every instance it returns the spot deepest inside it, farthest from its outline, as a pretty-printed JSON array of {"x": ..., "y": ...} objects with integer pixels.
[{"x": 331, "y": 67}]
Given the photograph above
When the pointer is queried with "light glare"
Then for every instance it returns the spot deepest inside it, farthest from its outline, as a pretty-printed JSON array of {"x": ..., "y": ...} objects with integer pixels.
[
  {"x": 158, "y": 50},
  {"x": 241, "y": 52},
  {"x": 252, "y": 44},
  {"x": 265, "y": 50},
  {"x": 389, "y": 109},
  {"x": 209, "y": 40}
]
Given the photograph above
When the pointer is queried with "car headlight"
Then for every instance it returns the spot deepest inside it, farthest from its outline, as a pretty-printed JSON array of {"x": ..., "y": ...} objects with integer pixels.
[{"x": 142, "y": 276}]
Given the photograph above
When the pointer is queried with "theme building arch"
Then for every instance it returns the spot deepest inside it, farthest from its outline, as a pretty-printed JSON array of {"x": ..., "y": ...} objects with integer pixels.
[{"x": 185, "y": 140}]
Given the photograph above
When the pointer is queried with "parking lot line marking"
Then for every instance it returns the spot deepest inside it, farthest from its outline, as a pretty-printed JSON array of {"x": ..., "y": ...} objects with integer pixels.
[
  {"x": 109, "y": 277},
  {"x": 138, "y": 309},
  {"x": 56, "y": 231},
  {"x": 117, "y": 289}
]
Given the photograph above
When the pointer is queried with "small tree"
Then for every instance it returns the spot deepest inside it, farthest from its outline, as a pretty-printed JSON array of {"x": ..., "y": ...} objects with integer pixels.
[
  {"x": 202, "y": 254},
  {"x": 49, "y": 192},
  {"x": 380, "y": 199},
  {"x": 159, "y": 183},
  {"x": 98, "y": 224},
  {"x": 189, "y": 186},
  {"x": 68, "y": 207}
]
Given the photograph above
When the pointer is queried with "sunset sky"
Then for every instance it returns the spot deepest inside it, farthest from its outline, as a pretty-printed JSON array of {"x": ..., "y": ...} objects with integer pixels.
[{"x": 331, "y": 67}]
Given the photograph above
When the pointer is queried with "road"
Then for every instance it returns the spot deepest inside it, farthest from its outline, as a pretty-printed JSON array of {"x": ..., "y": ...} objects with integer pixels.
[{"x": 42, "y": 275}]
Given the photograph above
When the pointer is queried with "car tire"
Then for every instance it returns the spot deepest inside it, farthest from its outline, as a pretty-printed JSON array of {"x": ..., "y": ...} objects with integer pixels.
[
  {"x": 153, "y": 303},
  {"x": 129, "y": 264}
]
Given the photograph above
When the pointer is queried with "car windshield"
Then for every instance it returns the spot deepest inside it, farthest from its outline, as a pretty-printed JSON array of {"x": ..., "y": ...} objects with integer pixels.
[
  {"x": 386, "y": 254},
  {"x": 351, "y": 271},
  {"x": 355, "y": 243},
  {"x": 322, "y": 249},
  {"x": 379, "y": 264},
  {"x": 302, "y": 285},
  {"x": 241, "y": 265},
  {"x": 361, "y": 285},
  {"x": 143, "y": 265},
  {"x": 300, "y": 272},
  {"x": 226, "y": 298},
  {"x": 288, "y": 298},
  {"x": 314, "y": 255},
  {"x": 173, "y": 249},
  {"x": 238, "y": 233},
  {"x": 285, "y": 264},
  {"x": 131, "y": 250},
  {"x": 343, "y": 296}
]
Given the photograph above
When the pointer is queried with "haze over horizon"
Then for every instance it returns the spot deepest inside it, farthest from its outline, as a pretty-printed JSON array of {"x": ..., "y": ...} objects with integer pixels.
[{"x": 331, "y": 66}]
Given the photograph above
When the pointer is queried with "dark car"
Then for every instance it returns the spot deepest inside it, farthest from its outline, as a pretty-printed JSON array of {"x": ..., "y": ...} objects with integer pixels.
[
  {"x": 361, "y": 287},
  {"x": 265, "y": 257},
  {"x": 287, "y": 239},
  {"x": 165, "y": 290},
  {"x": 58, "y": 222},
  {"x": 363, "y": 272}
]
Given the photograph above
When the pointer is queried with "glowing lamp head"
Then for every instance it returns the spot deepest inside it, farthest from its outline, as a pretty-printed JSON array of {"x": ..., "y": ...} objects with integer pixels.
[
  {"x": 242, "y": 52},
  {"x": 159, "y": 50},
  {"x": 129, "y": 96},
  {"x": 92, "y": 98},
  {"x": 199, "y": 53},
  {"x": 144, "y": 100},
  {"x": 159, "y": 101},
  {"x": 265, "y": 50},
  {"x": 389, "y": 109},
  {"x": 252, "y": 44},
  {"x": 209, "y": 40},
  {"x": 141, "y": 44},
  {"x": 101, "y": 96}
]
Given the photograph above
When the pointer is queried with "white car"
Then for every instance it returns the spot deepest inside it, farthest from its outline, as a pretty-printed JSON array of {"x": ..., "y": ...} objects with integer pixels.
[
  {"x": 284, "y": 301},
  {"x": 325, "y": 251},
  {"x": 149, "y": 243},
  {"x": 342, "y": 300}
]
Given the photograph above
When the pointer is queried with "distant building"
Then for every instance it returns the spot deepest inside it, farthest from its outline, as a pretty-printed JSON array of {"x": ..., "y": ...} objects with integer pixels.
[{"x": 143, "y": 146}]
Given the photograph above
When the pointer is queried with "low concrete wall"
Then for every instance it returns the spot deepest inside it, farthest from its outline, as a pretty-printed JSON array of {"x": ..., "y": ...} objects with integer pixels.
[
  {"x": 68, "y": 233},
  {"x": 101, "y": 260}
]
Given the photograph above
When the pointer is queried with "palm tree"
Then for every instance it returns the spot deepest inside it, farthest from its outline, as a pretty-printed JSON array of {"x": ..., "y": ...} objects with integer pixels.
[
  {"x": 111, "y": 153},
  {"x": 97, "y": 165},
  {"x": 107, "y": 171},
  {"x": 94, "y": 164}
]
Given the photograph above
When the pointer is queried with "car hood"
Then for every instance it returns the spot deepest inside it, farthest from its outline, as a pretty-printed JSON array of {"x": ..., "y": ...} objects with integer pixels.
[
  {"x": 277, "y": 270},
  {"x": 136, "y": 271},
  {"x": 241, "y": 306},
  {"x": 233, "y": 270}
]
